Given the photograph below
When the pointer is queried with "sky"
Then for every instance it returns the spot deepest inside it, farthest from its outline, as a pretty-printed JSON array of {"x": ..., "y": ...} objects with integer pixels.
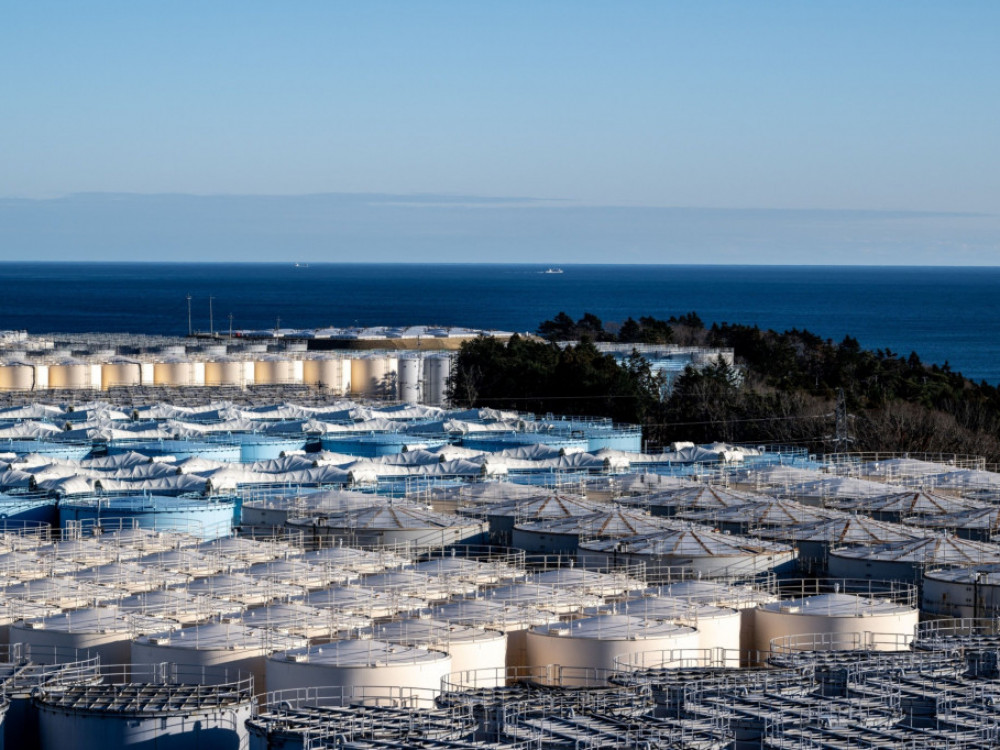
[{"x": 608, "y": 129}]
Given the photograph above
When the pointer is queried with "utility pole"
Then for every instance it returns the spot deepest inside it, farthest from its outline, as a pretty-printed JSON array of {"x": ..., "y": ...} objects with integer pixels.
[
  {"x": 842, "y": 430},
  {"x": 189, "y": 314},
  {"x": 211, "y": 322}
]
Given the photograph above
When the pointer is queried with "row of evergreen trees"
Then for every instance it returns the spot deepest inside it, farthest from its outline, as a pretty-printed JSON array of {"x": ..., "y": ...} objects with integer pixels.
[{"x": 783, "y": 388}]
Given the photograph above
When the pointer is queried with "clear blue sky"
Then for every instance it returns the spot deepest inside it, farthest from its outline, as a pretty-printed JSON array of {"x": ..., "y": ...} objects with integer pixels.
[{"x": 872, "y": 106}]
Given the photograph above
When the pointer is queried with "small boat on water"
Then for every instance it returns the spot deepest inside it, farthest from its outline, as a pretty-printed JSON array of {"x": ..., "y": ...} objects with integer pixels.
[{"x": 552, "y": 270}]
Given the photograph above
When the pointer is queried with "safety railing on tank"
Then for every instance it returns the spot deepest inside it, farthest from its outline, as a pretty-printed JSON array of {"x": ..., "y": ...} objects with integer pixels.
[{"x": 898, "y": 592}]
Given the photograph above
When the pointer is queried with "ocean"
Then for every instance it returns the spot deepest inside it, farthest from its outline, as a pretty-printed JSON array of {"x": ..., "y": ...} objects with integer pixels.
[{"x": 944, "y": 314}]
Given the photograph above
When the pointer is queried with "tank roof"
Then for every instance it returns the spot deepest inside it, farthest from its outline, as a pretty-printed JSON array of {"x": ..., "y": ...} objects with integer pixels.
[
  {"x": 614, "y": 628},
  {"x": 361, "y": 653},
  {"x": 614, "y": 522},
  {"x": 692, "y": 542},
  {"x": 224, "y": 637},
  {"x": 837, "y": 605},
  {"x": 932, "y": 550}
]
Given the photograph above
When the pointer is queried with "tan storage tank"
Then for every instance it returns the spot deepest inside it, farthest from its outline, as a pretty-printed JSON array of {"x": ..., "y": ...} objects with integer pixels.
[
  {"x": 120, "y": 372},
  {"x": 174, "y": 372},
  {"x": 373, "y": 376},
  {"x": 359, "y": 665},
  {"x": 16, "y": 376},
  {"x": 327, "y": 373},
  {"x": 837, "y": 619},
  {"x": 224, "y": 372},
  {"x": 595, "y": 643},
  {"x": 70, "y": 373},
  {"x": 273, "y": 371}
]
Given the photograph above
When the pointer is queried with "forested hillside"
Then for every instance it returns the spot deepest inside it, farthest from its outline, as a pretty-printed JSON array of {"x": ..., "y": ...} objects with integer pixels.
[{"x": 783, "y": 389}]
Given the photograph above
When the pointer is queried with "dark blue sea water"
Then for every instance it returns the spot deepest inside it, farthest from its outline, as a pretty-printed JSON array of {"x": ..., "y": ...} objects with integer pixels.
[{"x": 944, "y": 314}]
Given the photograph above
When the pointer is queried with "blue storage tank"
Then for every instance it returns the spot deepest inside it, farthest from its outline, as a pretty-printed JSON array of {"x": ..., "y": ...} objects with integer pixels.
[
  {"x": 257, "y": 447},
  {"x": 494, "y": 442},
  {"x": 17, "y": 508},
  {"x": 618, "y": 438},
  {"x": 69, "y": 451},
  {"x": 371, "y": 445},
  {"x": 208, "y": 518},
  {"x": 181, "y": 449}
]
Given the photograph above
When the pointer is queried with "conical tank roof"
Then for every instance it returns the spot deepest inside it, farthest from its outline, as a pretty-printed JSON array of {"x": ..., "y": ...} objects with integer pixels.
[
  {"x": 918, "y": 503},
  {"x": 847, "y": 530},
  {"x": 690, "y": 542},
  {"x": 615, "y": 522},
  {"x": 773, "y": 513},
  {"x": 547, "y": 506},
  {"x": 932, "y": 550},
  {"x": 701, "y": 497},
  {"x": 394, "y": 516}
]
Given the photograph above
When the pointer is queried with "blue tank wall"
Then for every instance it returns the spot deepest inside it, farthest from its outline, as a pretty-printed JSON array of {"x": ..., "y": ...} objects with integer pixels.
[
  {"x": 496, "y": 443},
  {"x": 372, "y": 446},
  {"x": 69, "y": 451},
  {"x": 209, "y": 519},
  {"x": 180, "y": 449},
  {"x": 42, "y": 510}
]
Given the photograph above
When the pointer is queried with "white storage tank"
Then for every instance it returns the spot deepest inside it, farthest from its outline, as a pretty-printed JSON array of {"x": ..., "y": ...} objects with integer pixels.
[
  {"x": 718, "y": 627},
  {"x": 70, "y": 373},
  {"x": 511, "y": 619},
  {"x": 363, "y": 602},
  {"x": 410, "y": 379},
  {"x": 174, "y": 372},
  {"x": 437, "y": 371},
  {"x": 216, "y": 644},
  {"x": 743, "y": 597},
  {"x": 225, "y": 372},
  {"x": 470, "y": 647},
  {"x": 365, "y": 665},
  {"x": 16, "y": 376},
  {"x": 595, "y": 642},
  {"x": 273, "y": 371},
  {"x": 105, "y": 631},
  {"x": 120, "y": 372},
  {"x": 837, "y": 618},
  {"x": 168, "y": 707}
]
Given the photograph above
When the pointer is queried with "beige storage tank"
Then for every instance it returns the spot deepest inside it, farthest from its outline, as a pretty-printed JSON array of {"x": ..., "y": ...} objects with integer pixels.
[
  {"x": 470, "y": 647},
  {"x": 594, "y": 643},
  {"x": 373, "y": 376},
  {"x": 173, "y": 372},
  {"x": 837, "y": 618},
  {"x": 273, "y": 371},
  {"x": 120, "y": 372},
  {"x": 224, "y": 372},
  {"x": 366, "y": 666},
  {"x": 327, "y": 373},
  {"x": 70, "y": 373},
  {"x": 228, "y": 644},
  {"x": 16, "y": 376}
]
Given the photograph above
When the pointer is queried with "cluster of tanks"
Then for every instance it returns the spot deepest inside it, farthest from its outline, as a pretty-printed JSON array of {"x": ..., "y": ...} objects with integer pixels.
[{"x": 687, "y": 601}]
